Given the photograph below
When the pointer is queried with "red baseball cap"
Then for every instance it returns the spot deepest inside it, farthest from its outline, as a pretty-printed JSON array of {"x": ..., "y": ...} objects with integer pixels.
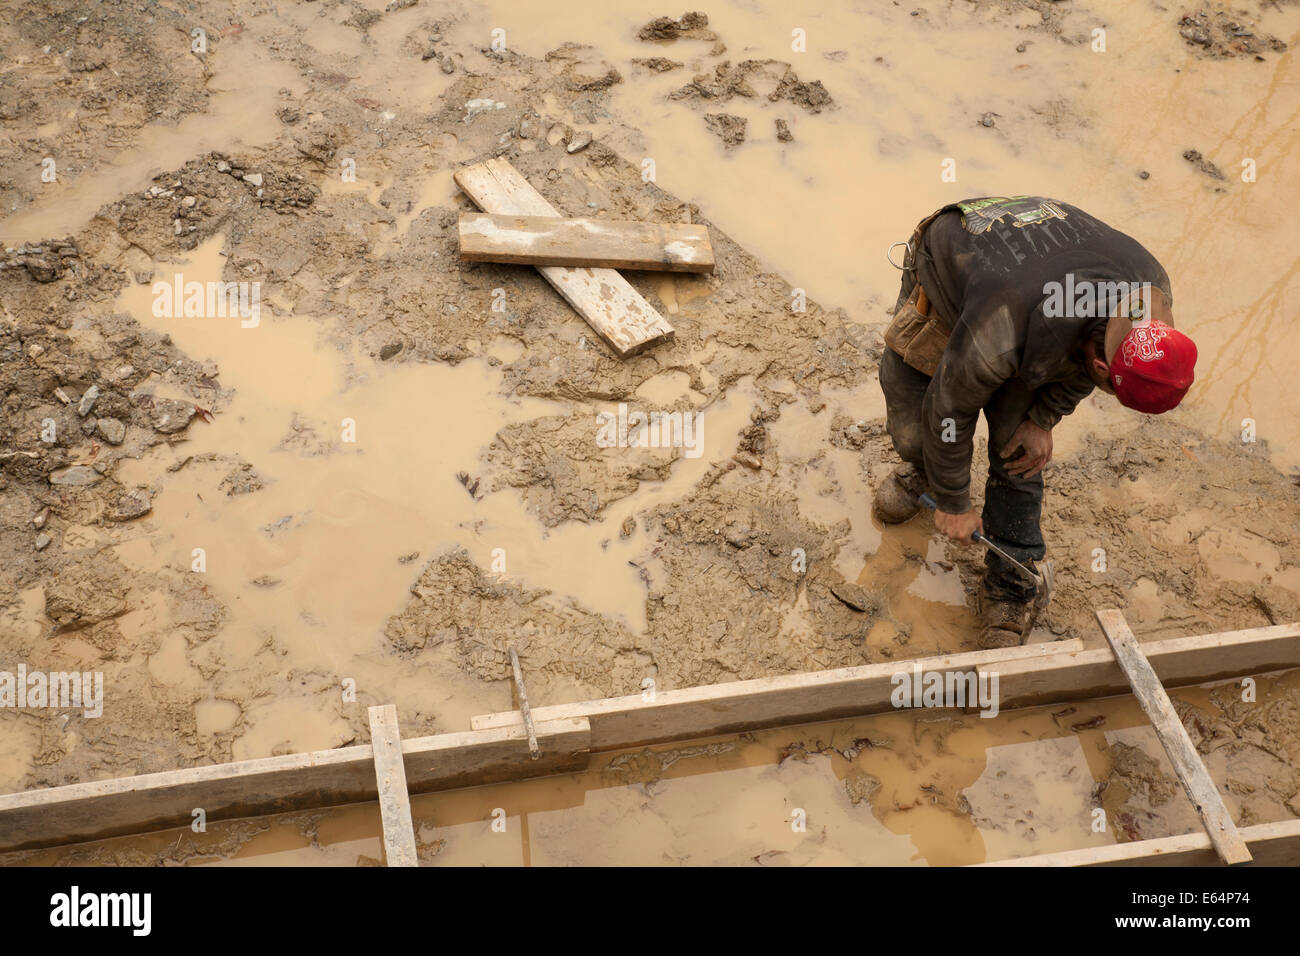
[{"x": 1151, "y": 362}]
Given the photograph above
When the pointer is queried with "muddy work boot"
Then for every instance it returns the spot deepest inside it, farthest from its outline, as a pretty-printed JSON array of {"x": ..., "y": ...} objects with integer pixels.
[
  {"x": 896, "y": 498},
  {"x": 1005, "y": 623}
]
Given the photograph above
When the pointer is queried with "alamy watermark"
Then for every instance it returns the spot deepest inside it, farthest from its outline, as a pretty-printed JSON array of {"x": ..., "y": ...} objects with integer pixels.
[
  {"x": 177, "y": 298},
  {"x": 26, "y": 689},
  {"x": 1090, "y": 298},
  {"x": 638, "y": 429},
  {"x": 946, "y": 689}
]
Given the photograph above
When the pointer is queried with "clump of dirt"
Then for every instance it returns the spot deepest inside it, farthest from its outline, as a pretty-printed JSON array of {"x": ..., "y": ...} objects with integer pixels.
[
  {"x": 1203, "y": 165},
  {"x": 658, "y": 64},
  {"x": 1220, "y": 32},
  {"x": 774, "y": 80},
  {"x": 730, "y": 129},
  {"x": 691, "y": 26}
]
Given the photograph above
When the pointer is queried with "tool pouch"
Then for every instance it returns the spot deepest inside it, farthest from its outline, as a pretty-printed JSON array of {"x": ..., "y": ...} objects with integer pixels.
[{"x": 917, "y": 333}]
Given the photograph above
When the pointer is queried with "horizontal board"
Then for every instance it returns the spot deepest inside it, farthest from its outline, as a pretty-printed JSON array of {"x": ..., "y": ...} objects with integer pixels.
[
  {"x": 739, "y": 706},
  {"x": 1271, "y": 844},
  {"x": 1176, "y": 661},
  {"x": 548, "y": 241},
  {"x": 158, "y": 801}
]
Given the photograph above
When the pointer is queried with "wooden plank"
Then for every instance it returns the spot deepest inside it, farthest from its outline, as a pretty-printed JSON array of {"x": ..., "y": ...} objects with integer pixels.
[
  {"x": 390, "y": 778},
  {"x": 158, "y": 801},
  {"x": 522, "y": 693},
  {"x": 1177, "y": 661},
  {"x": 604, "y": 243},
  {"x": 1271, "y": 844},
  {"x": 1201, "y": 790},
  {"x": 626, "y": 322},
  {"x": 738, "y": 706}
]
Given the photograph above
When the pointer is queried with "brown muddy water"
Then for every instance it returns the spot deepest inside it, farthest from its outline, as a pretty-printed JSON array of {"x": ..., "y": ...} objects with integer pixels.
[{"x": 288, "y": 561}]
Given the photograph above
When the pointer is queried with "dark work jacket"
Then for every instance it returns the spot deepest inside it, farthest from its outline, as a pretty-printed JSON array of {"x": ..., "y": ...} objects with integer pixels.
[{"x": 984, "y": 264}]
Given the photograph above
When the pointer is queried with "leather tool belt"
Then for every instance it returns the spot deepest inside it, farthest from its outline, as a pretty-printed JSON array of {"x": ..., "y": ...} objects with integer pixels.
[{"x": 917, "y": 333}]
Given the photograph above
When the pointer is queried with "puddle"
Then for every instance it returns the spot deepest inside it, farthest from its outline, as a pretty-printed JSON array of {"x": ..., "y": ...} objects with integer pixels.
[{"x": 358, "y": 465}]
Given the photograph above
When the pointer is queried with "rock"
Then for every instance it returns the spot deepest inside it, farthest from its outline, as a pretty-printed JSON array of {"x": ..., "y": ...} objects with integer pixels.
[
  {"x": 389, "y": 350},
  {"x": 854, "y": 596},
  {"x": 111, "y": 430},
  {"x": 43, "y": 268},
  {"x": 88, "y": 401},
  {"x": 581, "y": 141},
  {"x": 42, "y": 541},
  {"x": 254, "y": 179},
  {"x": 131, "y": 506},
  {"x": 1144, "y": 175},
  {"x": 188, "y": 202},
  {"x": 223, "y": 166},
  {"x": 170, "y": 416},
  {"x": 987, "y": 119},
  {"x": 748, "y": 459},
  {"x": 42, "y": 516},
  {"x": 446, "y": 65},
  {"x": 482, "y": 105},
  {"x": 62, "y": 396},
  {"x": 75, "y": 476},
  {"x": 783, "y": 132}
]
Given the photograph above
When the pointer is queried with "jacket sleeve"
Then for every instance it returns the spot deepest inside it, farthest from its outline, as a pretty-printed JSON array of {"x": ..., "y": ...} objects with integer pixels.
[
  {"x": 1055, "y": 400},
  {"x": 979, "y": 357}
]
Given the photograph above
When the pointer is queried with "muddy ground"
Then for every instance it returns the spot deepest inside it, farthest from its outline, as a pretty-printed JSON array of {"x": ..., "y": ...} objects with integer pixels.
[{"x": 1197, "y": 530}]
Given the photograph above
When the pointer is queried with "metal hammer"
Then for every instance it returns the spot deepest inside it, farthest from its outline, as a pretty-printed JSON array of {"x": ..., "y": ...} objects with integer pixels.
[{"x": 1043, "y": 580}]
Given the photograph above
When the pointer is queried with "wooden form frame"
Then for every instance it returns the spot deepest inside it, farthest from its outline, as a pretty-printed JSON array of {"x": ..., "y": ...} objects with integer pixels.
[
  {"x": 1270, "y": 844},
  {"x": 1187, "y": 764},
  {"x": 390, "y": 778},
  {"x": 497, "y": 748}
]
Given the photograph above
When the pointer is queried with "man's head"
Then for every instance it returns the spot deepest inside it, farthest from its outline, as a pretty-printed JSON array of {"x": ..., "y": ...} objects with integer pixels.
[{"x": 1139, "y": 357}]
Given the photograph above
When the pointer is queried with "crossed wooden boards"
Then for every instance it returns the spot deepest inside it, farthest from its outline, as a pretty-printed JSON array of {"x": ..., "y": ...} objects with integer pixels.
[{"x": 575, "y": 255}]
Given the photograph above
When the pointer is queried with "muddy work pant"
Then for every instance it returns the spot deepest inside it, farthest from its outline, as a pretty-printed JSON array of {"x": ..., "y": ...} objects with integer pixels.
[{"x": 1012, "y": 504}]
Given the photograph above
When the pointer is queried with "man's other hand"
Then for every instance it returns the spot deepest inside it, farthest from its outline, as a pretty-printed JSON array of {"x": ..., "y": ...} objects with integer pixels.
[
  {"x": 958, "y": 527},
  {"x": 1036, "y": 444}
]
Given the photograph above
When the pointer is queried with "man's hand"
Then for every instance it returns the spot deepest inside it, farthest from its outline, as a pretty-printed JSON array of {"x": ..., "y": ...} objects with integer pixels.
[
  {"x": 1037, "y": 445},
  {"x": 958, "y": 527}
]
